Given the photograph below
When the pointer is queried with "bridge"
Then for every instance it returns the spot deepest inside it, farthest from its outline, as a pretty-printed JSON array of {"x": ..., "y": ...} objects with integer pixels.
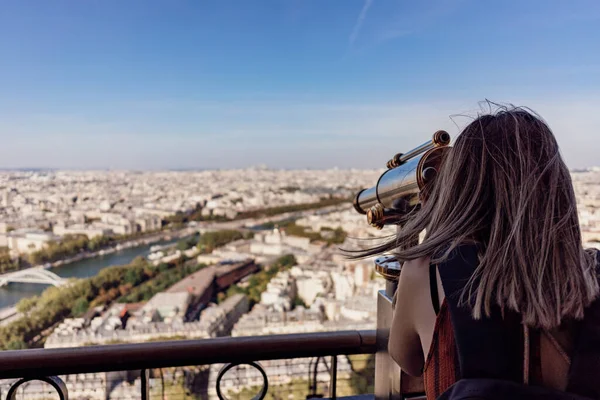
[{"x": 32, "y": 275}]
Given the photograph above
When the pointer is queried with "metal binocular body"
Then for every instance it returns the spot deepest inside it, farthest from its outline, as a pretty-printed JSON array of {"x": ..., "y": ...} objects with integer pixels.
[
  {"x": 405, "y": 184},
  {"x": 399, "y": 190}
]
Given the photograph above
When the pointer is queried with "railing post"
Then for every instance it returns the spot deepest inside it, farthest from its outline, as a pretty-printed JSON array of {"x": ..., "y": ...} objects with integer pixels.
[
  {"x": 333, "y": 384},
  {"x": 144, "y": 377}
]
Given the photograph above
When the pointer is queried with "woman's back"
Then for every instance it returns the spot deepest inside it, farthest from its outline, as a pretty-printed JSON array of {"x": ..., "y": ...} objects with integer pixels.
[
  {"x": 439, "y": 360},
  {"x": 503, "y": 195}
]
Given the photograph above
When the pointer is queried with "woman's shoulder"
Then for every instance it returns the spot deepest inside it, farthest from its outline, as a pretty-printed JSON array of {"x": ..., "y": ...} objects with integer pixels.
[
  {"x": 415, "y": 270},
  {"x": 464, "y": 252},
  {"x": 457, "y": 265}
]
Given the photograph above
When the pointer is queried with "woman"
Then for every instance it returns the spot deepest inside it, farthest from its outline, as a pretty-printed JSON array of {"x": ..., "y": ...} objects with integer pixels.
[{"x": 502, "y": 250}]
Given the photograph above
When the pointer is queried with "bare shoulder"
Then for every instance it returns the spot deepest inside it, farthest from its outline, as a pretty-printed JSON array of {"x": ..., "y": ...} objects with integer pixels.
[
  {"x": 413, "y": 278},
  {"x": 405, "y": 345},
  {"x": 415, "y": 269}
]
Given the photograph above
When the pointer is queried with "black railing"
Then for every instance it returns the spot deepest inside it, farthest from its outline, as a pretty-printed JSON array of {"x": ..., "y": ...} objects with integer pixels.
[{"x": 47, "y": 364}]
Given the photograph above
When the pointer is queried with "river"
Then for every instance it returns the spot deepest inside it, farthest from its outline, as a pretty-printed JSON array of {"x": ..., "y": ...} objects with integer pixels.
[{"x": 13, "y": 292}]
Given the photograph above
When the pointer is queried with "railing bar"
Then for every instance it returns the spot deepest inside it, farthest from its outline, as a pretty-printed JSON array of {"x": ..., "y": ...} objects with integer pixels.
[
  {"x": 18, "y": 363},
  {"x": 144, "y": 377},
  {"x": 333, "y": 383}
]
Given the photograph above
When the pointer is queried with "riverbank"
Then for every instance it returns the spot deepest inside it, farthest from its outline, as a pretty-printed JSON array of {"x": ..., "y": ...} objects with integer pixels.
[
  {"x": 8, "y": 315},
  {"x": 158, "y": 237},
  {"x": 85, "y": 267}
]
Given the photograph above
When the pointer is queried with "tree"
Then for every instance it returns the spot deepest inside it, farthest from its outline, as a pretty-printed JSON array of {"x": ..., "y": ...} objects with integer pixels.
[
  {"x": 234, "y": 289},
  {"x": 27, "y": 304},
  {"x": 188, "y": 243},
  {"x": 6, "y": 262},
  {"x": 80, "y": 307},
  {"x": 221, "y": 297},
  {"x": 16, "y": 345},
  {"x": 339, "y": 235},
  {"x": 133, "y": 276},
  {"x": 287, "y": 260},
  {"x": 210, "y": 240},
  {"x": 298, "y": 302}
]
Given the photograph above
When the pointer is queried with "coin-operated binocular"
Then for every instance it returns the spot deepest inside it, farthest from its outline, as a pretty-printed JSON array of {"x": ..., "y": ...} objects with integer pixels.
[
  {"x": 399, "y": 190},
  {"x": 405, "y": 184}
]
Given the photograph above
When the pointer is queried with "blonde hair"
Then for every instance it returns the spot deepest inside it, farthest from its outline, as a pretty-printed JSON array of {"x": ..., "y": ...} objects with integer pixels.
[{"x": 505, "y": 187}]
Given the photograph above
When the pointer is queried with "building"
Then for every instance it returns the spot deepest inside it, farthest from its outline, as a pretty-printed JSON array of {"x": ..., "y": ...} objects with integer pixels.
[
  {"x": 110, "y": 328},
  {"x": 149, "y": 222},
  {"x": 280, "y": 292},
  {"x": 264, "y": 321},
  {"x": 29, "y": 241},
  {"x": 224, "y": 316},
  {"x": 277, "y": 243},
  {"x": 199, "y": 285},
  {"x": 166, "y": 307},
  {"x": 80, "y": 229}
]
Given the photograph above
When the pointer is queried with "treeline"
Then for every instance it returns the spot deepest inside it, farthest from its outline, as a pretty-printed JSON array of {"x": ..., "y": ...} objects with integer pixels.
[
  {"x": 328, "y": 235},
  {"x": 74, "y": 299},
  {"x": 271, "y": 211},
  {"x": 331, "y": 236},
  {"x": 211, "y": 240},
  {"x": 163, "y": 281},
  {"x": 208, "y": 241},
  {"x": 69, "y": 246},
  {"x": 180, "y": 218},
  {"x": 257, "y": 283},
  {"x": 187, "y": 243}
]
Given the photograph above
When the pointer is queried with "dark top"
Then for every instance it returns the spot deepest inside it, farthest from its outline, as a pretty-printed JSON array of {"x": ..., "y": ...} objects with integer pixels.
[{"x": 493, "y": 347}]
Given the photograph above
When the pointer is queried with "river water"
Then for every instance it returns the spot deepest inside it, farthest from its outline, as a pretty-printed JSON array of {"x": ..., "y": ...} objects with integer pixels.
[{"x": 13, "y": 292}]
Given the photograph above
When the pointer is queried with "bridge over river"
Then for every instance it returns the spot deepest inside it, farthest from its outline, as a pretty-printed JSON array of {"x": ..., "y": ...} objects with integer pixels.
[{"x": 32, "y": 275}]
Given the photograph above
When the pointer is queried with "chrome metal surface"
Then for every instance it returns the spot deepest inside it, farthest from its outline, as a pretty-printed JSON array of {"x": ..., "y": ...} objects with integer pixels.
[
  {"x": 439, "y": 139},
  {"x": 387, "y": 372},
  {"x": 388, "y": 267},
  {"x": 390, "y": 382},
  {"x": 395, "y": 183},
  {"x": 399, "y": 188}
]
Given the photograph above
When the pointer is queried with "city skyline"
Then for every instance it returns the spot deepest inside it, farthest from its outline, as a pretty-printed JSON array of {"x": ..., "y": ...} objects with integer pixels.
[{"x": 161, "y": 85}]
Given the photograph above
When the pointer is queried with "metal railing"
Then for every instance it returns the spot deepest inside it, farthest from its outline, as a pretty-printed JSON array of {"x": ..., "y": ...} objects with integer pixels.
[{"x": 47, "y": 364}]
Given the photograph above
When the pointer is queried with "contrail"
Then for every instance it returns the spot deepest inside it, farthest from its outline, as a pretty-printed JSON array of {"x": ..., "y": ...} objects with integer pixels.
[{"x": 359, "y": 21}]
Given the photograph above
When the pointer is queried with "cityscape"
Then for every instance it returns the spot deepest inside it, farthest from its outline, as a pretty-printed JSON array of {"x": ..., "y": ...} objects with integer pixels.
[
  {"x": 182, "y": 190},
  {"x": 204, "y": 254},
  {"x": 105, "y": 257}
]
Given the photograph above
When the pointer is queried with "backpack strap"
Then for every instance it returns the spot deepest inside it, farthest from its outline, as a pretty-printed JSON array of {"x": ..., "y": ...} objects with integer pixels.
[
  {"x": 585, "y": 362},
  {"x": 433, "y": 289},
  {"x": 489, "y": 347}
]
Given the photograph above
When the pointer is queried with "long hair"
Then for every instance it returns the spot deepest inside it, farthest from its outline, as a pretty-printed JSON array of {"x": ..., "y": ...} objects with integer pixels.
[{"x": 504, "y": 186}]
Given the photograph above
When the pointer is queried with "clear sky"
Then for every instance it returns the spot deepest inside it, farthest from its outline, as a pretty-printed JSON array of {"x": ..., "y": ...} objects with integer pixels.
[{"x": 288, "y": 83}]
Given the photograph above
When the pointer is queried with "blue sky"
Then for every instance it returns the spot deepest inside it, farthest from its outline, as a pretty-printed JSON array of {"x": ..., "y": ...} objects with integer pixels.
[{"x": 288, "y": 83}]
